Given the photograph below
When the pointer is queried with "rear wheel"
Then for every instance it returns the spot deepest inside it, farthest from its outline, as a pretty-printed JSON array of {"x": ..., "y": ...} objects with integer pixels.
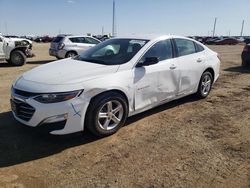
[
  {"x": 106, "y": 114},
  {"x": 243, "y": 64},
  {"x": 205, "y": 85},
  {"x": 70, "y": 54},
  {"x": 17, "y": 58}
]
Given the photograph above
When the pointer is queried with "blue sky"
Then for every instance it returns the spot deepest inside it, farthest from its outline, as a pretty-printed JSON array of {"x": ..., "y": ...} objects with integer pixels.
[{"x": 182, "y": 17}]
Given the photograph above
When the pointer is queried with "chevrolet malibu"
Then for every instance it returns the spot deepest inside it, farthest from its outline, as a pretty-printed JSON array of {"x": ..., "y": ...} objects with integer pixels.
[{"x": 116, "y": 79}]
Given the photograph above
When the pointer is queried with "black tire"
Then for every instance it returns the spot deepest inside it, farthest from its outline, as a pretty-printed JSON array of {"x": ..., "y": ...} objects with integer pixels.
[
  {"x": 202, "y": 92},
  {"x": 244, "y": 63},
  {"x": 70, "y": 54},
  {"x": 17, "y": 58},
  {"x": 92, "y": 122}
]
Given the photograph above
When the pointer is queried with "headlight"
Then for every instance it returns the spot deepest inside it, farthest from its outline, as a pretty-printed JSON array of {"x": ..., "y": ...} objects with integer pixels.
[{"x": 57, "y": 97}]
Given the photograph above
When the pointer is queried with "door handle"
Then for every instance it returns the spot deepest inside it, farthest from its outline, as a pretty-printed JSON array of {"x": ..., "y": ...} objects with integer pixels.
[
  {"x": 199, "y": 60},
  {"x": 172, "y": 67}
]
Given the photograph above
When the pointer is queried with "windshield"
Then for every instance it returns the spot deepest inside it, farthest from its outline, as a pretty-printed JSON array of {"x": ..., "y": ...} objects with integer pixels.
[{"x": 113, "y": 51}]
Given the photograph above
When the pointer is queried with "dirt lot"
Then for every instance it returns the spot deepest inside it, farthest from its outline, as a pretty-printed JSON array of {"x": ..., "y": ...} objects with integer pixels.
[{"x": 186, "y": 143}]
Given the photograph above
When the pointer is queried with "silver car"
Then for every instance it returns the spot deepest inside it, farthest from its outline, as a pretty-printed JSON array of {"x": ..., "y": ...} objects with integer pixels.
[{"x": 64, "y": 46}]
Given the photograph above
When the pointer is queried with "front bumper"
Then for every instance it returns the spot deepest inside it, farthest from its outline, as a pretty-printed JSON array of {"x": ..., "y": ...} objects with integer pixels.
[
  {"x": 34, "y": 114},
  {"x": 29, "y": 53}
]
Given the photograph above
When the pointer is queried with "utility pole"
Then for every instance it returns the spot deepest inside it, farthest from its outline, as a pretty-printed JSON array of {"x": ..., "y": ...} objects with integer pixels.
[
  {"x": 102, "y": 30},
  {"x": 6, "y": 28},
  {"x": 242, "y": 28},
  {"x": 114, "y": 21},
  {"x": 215, "y": 20}
]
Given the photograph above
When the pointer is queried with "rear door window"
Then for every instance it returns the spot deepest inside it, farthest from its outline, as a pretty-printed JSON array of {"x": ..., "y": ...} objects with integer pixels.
[
  {"x": 185, "y": 47},
  {"x": 91, "y": 40},
  {"x": 77, "y": 40}
]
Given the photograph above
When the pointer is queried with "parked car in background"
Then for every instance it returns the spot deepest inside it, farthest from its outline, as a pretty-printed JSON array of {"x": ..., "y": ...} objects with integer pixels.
[
  {"x": 47, "y": 38},
  {"x": 16, "y": 38},
  {"x": 117, "y": 78},
  {"x": 226, "y": 41},
  {"x": 245, "y": 55},
  {"x": 102, "y": 37},
  {"x": 64, "y": 46},
  {"x": 15, "y": 50}
]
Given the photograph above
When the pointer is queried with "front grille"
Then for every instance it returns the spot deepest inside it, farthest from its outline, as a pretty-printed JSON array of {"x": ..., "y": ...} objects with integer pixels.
[{"x": 22, "y": 110}]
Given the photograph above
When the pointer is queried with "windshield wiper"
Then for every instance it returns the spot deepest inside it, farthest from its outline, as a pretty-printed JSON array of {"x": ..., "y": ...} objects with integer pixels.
[{"x": 91, "y": 60}]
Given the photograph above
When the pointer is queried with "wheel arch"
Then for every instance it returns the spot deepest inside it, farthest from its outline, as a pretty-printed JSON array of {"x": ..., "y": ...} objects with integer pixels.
[
  {"x": 111, "y": 90},
  {"x": 211, "y": 70},
  {"x": 74, "y": 51},
  {"x": 22, "y": 49}
]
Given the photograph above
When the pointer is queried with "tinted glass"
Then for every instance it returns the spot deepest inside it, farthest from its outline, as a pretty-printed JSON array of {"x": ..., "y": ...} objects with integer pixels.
[
  {"x": 185, "y": 47},
  {"x": 113, "y": 51},
  {"x": 1, "y": 39},
  {"x": 91, "y": 40},
  {"x": 199, "y": 48},
  {"x": 77, "y": 40},
  {"x": 162, "y": 50},
  {"x": 57, "y": 39}
]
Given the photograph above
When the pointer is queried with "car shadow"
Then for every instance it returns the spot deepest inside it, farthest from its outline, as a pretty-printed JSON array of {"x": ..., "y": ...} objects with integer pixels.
[
  {"x": 19, "y": 143},
  {"x": 39, "y": 62},
  {"x": 239, "y": 69},
  {"x": 5, "y": 64}
]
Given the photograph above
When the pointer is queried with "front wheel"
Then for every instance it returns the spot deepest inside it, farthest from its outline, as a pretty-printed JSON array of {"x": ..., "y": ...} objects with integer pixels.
[
  {"x": 17, "y": 58},
  {"x": 205, "y": 85},
  {"x": 106, "y": 114}
]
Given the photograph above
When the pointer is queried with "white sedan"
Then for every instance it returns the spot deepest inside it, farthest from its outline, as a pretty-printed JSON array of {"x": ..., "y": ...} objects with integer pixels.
[{"x": 118, "y": 78}]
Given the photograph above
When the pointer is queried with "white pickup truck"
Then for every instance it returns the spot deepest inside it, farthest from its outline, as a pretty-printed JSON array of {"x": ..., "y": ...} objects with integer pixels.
[{"x": 15, "y": 50}]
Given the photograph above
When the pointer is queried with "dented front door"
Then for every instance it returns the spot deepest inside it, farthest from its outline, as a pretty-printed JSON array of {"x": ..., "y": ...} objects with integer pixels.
[{"x": 156, "y": 83}]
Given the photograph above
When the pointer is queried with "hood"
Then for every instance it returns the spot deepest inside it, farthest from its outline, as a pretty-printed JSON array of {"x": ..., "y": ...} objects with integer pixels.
[
  {"x": 20, "y": 39},
  {"x": 68, "y": 71}
]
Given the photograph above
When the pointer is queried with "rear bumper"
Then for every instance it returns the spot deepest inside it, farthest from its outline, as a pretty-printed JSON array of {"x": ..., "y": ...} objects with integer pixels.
[{"x": 57, "y": 53}]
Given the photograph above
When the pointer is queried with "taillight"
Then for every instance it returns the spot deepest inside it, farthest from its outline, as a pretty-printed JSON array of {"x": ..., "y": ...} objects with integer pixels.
[
  {"x": 61, "y": 46},
  {"x": 245, "y": 48}
]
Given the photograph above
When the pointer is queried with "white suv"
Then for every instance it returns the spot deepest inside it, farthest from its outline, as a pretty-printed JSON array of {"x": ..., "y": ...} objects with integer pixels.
[
  {"x": 15, "y": 50},
  {"x": 64, "y": 46}
]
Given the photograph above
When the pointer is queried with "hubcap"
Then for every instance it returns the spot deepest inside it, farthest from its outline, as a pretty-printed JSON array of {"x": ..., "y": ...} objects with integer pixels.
[
  {"x": 206, "y": 84},
  {"x": 71, "y": 55},
  {"x": 17, "y": 58},
  {"x": 110, "y": 115}
]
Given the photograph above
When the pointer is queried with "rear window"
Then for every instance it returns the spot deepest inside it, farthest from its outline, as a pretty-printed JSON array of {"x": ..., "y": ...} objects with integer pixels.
[
  {"x": 57, "y": 39},
  {"x": 199, "y": 48}
]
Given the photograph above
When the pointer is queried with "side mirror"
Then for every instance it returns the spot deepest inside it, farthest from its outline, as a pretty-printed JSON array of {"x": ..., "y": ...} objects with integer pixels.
[{"x": 148, "y": 61}]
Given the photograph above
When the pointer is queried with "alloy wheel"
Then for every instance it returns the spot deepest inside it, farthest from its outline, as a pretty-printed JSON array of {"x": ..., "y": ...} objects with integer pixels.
[{"x": 110, "y": 115}]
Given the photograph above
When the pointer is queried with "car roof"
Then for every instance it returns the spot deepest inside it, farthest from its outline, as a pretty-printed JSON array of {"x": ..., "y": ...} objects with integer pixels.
[
  {"x": 151, "y": 37},
  {"x": 71, "y": 36}
]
